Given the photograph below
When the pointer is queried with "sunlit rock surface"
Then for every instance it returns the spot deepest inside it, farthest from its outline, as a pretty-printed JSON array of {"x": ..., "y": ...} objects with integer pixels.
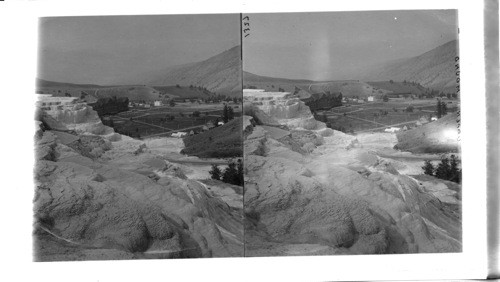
[
  {"x": 121, "y": 199},
  {"x": 322, "y": 194},
  {"x": 284, "y": 107}
]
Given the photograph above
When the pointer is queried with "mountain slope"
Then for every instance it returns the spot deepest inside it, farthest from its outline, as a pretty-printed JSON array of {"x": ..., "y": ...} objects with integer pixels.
[
  {"x": 434, "y": 69},
  {"x": 220, "y": 73}
]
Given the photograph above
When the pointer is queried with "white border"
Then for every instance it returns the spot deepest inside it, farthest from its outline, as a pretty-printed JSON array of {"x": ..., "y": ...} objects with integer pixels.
[{"x": 18, "y": 22}]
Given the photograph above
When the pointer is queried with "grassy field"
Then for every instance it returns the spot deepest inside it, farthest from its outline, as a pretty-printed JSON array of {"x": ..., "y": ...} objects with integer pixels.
[
  {"x": 220, "y": 142},
  {"x": 145, "y": 122},
  {"x": 379, "y": 115},
  {"x": 142, "y": 127}
]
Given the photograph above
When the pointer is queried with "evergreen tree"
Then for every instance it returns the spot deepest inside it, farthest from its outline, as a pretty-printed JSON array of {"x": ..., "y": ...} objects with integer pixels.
[
  {"x": 439, "y": 109},
  {"x": 225, "y": 114},
  {"x": 444, "y": 108},
  {"x": 455, "y": 172},
  {"x": 215, "y": 172},
  {"x": 230, "y": 174},
  {"x": 428, "y": 168},
  {"x": 240, "y": 172},
  {"x": 230, "y": 113},
  {"x": 443, "y": 169}
]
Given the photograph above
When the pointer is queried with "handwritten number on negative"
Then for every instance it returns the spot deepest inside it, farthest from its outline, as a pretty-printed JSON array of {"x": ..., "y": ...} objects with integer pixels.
[{"x": 246, "y": 25}]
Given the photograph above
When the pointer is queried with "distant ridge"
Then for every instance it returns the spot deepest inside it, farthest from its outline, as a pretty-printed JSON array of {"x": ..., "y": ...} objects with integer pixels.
[
  {"x": 434, "y": 69},
  {"x": 41, "y": 83},
  {"x": 220, "y": 73}
]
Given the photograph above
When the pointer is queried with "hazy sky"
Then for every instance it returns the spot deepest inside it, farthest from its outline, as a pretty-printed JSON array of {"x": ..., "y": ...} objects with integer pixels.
[
  {"x": 100, "y": 49},
  {"x": 336, "y": 45}
]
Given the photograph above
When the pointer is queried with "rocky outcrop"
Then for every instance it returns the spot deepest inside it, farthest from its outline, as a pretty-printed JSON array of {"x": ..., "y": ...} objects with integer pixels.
[
  {"x": 75, "y": 116},
  {"x": 97, "y": 199},
  {"x": 282, "y": 107},
  {"x": 258, "y": 115},
  {"x": 323, "y": 194}
]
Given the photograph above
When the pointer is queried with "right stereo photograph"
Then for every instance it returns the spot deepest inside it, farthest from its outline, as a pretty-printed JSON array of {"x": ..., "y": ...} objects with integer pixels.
[{"x": 351, "y": 127}]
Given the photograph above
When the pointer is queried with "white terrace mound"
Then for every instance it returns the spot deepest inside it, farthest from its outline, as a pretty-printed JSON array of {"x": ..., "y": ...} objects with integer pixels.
[
  {"x": 285, "y": 107},
  {"x": 69, "y": 113}
]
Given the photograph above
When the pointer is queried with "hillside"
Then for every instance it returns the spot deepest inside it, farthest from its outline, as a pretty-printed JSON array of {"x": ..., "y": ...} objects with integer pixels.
[
  {"x": 267, "y": 83},
  {"x": 398, "y": 87},
  {"x": 440, "y": 136},
  {"x": 220, "y": 142},
  {"x": 434, "y": 69},
  {"x": 250, "y": 78},
  {"x": 220, "y": 73},
  {"x": 181, "y": 92},
  {"x": 134, "y": 92},
  {"x": 348, "y": 88}
]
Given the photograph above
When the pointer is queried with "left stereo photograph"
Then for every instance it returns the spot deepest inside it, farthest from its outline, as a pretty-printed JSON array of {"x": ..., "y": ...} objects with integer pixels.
[{"x": 138, "y": 139}]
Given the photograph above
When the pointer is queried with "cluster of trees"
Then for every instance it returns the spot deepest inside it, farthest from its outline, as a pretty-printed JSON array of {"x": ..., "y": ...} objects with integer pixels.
[
  {"x": 227, "y": 113},
  {"x": 441, "y": 109},
  {"x": 447, "y": 169},
  {"x": 325, "y": 101},
  {"x": 233, "y": 174},
  {"x": 222, "y": 98}
]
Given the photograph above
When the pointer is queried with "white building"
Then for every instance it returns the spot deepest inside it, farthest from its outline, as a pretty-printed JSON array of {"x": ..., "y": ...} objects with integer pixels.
[
  {"x": 158, "y": 103},
  {"x": 179, "y": 134},
  {"x": 371, "y": 98},
  {"x": 392, "y": 129}
]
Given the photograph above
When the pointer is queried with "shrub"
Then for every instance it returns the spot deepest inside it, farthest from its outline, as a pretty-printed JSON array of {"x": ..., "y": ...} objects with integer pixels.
[
  {"x": 233, "y": 174},
  {"x": 428, "y": 168},
  {"x": 215, "y": 172},
  {"x": 447, "y": 169}
]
